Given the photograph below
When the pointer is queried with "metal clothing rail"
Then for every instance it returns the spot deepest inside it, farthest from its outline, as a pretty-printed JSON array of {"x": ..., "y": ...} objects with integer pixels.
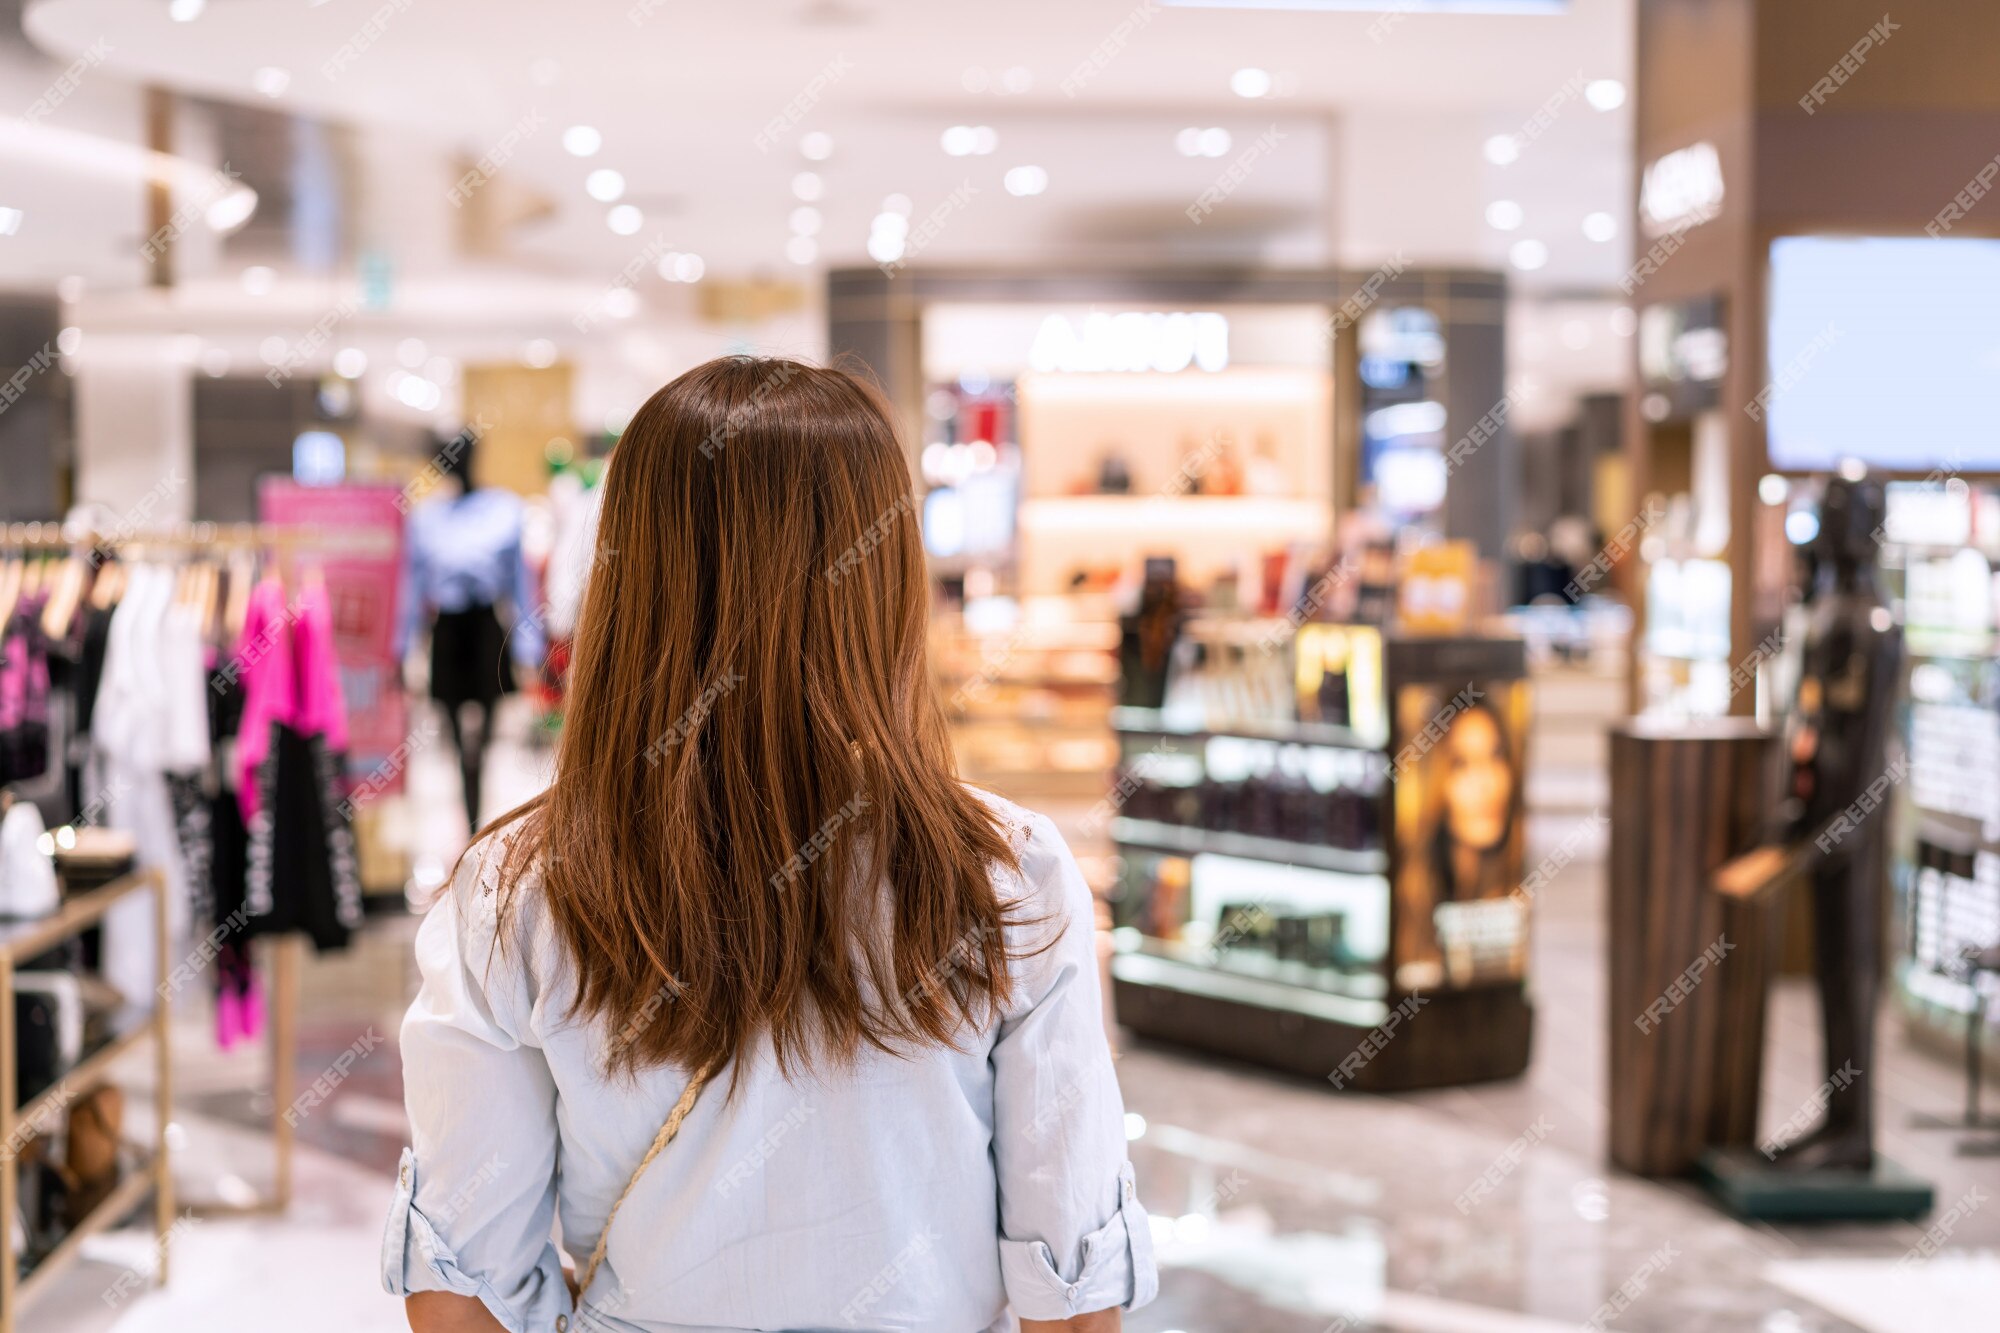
[{"x": 196, "y": 537}]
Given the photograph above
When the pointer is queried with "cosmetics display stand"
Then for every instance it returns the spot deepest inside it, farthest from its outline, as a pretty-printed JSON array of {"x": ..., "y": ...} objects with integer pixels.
[{"x": 1311, "y": 893}]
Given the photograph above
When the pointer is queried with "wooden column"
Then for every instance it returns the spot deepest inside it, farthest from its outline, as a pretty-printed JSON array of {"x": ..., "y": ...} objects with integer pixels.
[{"x": 1689, "y": 968}]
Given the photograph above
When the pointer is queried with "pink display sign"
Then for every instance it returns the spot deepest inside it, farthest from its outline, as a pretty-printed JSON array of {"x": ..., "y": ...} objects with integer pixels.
[{"x": 362, "y": 527}]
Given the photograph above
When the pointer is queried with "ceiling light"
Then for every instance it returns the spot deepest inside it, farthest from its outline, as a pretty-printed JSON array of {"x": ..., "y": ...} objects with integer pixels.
[
  {"x": 688, "y": 268},
  {"x": 621, "y": 303},
  {"x": 412, "y": 352},
  {"x": 885, "y": 247},
  {"x": 350, "y": 362},
  {"x": 416, "y": 392},
  {"x": 1502, "y": 149},
  {"x": 231, "y": 209},
  {"x": 10, "y": 221},
  {"x": 969, "y": 140},
  {"x": 1624, "y": 322},
  {"x": 1772, "y": 488},
  {"x": 1026, "y": 180},
  {"x": 816, "y": 145},
  {"x": 604, "y": 185},
  {"x": 898, "y": 204},
  {"x": 1604, "y": 94},
  {"x": 889, "y": 224},
  {"x": 271, "y": 81},
  {"x": 185, "y": 11},
  {"x": 1250, "y": 83},
  {"x": 215, "y": 362},
  {"x": 802, "y": 249},
  {"x": 805, "y": 220},
  {"x": 539, "y": 353},
  {"x": 258, "y": 280},
  {"x": 273, "y": 350},
  {"x": 1503, "y": 215},
  {"x": 1600, "y": 226},
  {"x": 582, "y": 140},
  {"x": 69, "y": 340},
  {"x": 808, "y": 186},
  {"x": 625, "y": 219},
  {"x": 1528, "y": 255},
  {"x": 1214, "y": 141}
]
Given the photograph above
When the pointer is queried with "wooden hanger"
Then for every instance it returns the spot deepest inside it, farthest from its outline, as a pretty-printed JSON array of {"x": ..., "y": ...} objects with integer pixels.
[
  {"x": 64, "y": 595},
  {"x": 11, "y": 574}
]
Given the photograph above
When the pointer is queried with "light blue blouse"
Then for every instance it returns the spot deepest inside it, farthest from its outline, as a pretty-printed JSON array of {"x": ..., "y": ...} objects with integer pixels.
[
  {"x": 464, "y": 551},
  {"x": 928, "y": 1193}
]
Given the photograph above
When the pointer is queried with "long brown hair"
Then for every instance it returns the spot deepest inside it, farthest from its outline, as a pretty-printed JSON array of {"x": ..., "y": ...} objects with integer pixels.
[{"x": 755, "y": 823}]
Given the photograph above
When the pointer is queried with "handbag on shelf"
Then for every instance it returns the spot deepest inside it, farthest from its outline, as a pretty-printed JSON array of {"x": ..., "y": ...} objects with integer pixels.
[
  {"x": 27, "y": 874},
  {"x": 91, "y": 1149}
]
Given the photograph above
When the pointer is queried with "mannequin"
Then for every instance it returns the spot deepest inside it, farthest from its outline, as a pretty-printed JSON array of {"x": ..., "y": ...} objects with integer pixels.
[
  {"x": 1830, "y": 826},
  {"x": 464, "y": 562}
]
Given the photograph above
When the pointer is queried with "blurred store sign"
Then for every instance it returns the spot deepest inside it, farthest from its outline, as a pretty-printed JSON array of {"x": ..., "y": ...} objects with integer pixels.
[
  {"x": 1132, "y": 341},
  {"x": 725, "y": 302}
]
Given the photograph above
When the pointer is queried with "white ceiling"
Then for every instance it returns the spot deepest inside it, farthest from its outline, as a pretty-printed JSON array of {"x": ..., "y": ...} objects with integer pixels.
[
  {"x": 1375, "y": 132},
  {"x": 1382, "y": 117}
]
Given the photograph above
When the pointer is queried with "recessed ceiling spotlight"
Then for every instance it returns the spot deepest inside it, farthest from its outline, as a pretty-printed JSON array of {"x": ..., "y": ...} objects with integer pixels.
[
  {"x": 1528, "y": 255},
  {"x": 1026, "y": 180},
  {"x": 1624, "y": 321},
  {"x": 1503, "y": 215},
  {"x": 625, "y": 219},
  {"x": 805, "y": 220},
  {"x": 808, "y": 186},
  {"x": 1599, "y": 226},
  {"x": 1502, "y": 149},
  {"x": 539, "y": 353},
  {"x": 688, "y": 268},
  {"x": 10, "y": 221},
  {"x": 582, "y": 140},
  {"x": 604, "y": 185},
  {"x": 185, "y": 11},
  {"x": 802, "y": 249},
  {"x": 816, "y": 145},
  {"x": 350, "y": 362},
  {"x": 885, "y": 247},
  {"x": 1604, "y": 94},
  {"x": 1250, "y": 83},
  {"x": 621, "y": 303},
  {"x": 969, "y": 140},
  {"x": 271, "y": 81}
]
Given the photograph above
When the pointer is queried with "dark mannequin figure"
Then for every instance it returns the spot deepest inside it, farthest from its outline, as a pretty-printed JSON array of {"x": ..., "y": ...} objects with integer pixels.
[{"x": 1831, "y": 827}]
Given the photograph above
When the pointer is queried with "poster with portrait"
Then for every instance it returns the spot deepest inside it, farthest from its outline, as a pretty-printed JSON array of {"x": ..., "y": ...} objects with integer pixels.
[{"x": 1460, "y": 918}]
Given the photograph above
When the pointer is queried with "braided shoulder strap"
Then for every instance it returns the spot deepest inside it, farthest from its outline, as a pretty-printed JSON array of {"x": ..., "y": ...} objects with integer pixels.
[{"x": 671, "y": 1127}]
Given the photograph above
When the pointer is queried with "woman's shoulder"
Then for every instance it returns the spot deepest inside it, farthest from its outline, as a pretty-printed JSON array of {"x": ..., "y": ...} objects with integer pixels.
[
  {"x": 1046, "y": 882},
  {"x": 495, "y": 899}
]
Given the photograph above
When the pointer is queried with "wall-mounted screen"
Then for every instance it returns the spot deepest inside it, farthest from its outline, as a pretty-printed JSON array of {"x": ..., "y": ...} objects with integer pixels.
[{"x": 1885, "y": 349}]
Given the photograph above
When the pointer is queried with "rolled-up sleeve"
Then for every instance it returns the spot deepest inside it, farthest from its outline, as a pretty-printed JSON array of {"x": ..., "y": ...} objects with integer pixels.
[
  {"x": 476, "y": 1190},
  {"x": 1074, "y": 1237}
]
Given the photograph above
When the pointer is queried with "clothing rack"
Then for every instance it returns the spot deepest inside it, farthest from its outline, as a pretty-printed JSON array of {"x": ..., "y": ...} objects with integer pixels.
[{"x": 286, "y": 951}]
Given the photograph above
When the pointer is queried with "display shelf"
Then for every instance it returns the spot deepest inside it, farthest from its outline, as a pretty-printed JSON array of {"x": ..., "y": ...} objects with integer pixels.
[
  {"x": 20, "y": 943},
  {"x": 110, "y": 1210},
  {"x": 130, "y": 1027},
  {"x": 1185, "y": 840},
  {"x": 1359, "y": 981},
  {"x": 1129, "y": 721}
]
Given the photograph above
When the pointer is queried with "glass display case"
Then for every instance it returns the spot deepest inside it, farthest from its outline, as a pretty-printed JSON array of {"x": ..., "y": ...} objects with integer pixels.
[{"x": 1306, "y": 866}]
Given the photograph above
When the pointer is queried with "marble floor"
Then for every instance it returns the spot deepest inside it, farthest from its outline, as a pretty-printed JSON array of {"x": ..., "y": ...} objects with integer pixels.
[{"x": 1278, "y": 1205}]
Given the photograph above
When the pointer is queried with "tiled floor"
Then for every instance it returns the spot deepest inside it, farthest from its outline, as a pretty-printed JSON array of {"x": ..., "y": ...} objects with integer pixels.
[{"x": 1278, "y": 1205}]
